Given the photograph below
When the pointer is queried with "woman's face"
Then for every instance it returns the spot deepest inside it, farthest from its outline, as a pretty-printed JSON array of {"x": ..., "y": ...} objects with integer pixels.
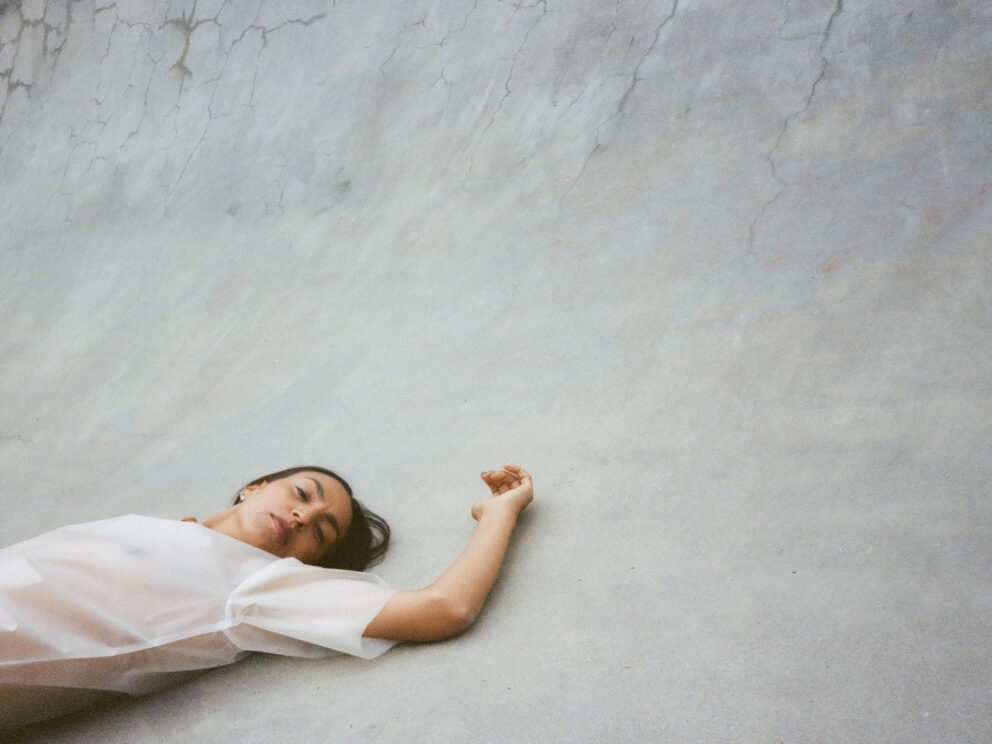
[{"x": 299, "y": 516}]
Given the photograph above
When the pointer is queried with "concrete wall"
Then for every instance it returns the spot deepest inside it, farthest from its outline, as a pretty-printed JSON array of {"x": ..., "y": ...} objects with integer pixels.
[{"x": 718, "y": 273}]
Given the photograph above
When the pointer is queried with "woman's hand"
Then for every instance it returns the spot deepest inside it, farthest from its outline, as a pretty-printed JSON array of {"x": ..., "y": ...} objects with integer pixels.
[{"x": 511, "y": 489}]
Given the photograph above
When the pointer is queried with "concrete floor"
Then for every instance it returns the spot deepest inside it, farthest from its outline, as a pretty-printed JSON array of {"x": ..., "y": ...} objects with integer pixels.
[{"x": 718, "y": 273}]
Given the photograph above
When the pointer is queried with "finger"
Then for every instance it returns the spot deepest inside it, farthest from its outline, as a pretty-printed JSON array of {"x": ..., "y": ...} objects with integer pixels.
[
  {"x": 517, "y": 471},
  {"x": 495, "y": 481}
]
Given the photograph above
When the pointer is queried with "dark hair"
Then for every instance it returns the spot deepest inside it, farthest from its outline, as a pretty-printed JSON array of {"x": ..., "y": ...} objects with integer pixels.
[{"x": 365, "y": 542}]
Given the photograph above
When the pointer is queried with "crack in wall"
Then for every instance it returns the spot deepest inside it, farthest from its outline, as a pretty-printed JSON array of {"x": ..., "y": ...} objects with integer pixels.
[
  {"x": 620, "y": 109},
  {"x": 635, "y": 78},
  {"x": 449, "y": 84},
  {"x": 77, "y": 143},
  {"x": 8, "y": 74},
  {"x": 786, "y": 123},
  {"x": 101, "y": 120},
  {"x": 513, "y": 63},
  {"x": 253, "y": 26},
  {"x": 506, "y": 87},
  {"x": 382, "y": 67},
  {"x": 461, "y": 28},
  {"x": 186, "y": 27},
  {"x": 264, "y": 32},
  {"x": 571, "y": 104},
  {"x": 49, "y": 54},
  {"x": 144, "y": 104}
]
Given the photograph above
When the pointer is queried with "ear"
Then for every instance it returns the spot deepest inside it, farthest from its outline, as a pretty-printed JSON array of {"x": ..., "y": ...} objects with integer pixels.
[{"x": 248, "y": 489}]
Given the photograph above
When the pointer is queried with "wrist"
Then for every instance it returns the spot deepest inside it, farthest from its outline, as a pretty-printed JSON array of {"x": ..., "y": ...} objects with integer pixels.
[{"x": 500, "y": 511}]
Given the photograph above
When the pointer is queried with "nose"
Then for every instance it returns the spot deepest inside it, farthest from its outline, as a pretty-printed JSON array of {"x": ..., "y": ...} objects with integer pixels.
[{"x": 304, "y": 515}]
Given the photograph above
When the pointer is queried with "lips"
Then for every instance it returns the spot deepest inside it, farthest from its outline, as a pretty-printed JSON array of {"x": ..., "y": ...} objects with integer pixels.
[{"x": 282, "y": 527}]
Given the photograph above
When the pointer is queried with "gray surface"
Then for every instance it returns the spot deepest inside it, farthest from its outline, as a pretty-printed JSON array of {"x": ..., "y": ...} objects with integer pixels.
[{"x": 717, "y": 274}]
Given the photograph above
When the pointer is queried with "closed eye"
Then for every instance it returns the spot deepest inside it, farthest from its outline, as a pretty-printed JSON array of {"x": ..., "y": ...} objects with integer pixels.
[{"x": 306, "y": 499}]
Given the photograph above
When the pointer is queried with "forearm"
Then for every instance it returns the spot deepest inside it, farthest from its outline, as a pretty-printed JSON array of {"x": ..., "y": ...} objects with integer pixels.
[
  {"x": 450, "y": 604},
  {"x": 468, "y": 581}
]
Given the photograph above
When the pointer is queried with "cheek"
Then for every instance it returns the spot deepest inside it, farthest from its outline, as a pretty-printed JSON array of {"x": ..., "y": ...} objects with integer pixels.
[{"x": 307, "y": 549}]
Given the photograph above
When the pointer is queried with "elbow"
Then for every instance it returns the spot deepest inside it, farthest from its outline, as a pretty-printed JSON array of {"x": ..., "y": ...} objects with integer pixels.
[
  {"x": 461, "y": 616},
  {"x": 455, "y": 617},
  {"x": 424, "y": 615}
]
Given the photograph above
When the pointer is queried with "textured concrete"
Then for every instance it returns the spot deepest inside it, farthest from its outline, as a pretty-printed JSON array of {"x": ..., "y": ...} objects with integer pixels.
[{"x": 718, "y": 273}]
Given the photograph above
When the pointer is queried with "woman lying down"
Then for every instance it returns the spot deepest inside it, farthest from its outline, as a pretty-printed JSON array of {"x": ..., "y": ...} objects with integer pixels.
[{"x": 132, "y": 604}]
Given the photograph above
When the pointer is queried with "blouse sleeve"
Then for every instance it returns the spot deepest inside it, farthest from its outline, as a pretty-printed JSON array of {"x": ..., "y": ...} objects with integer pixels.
[{"x": 289, "y": 608}]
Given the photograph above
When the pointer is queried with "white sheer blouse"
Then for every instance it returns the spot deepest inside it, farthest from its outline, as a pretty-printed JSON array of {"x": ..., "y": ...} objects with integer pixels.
[{"x": 133, "y": 603}]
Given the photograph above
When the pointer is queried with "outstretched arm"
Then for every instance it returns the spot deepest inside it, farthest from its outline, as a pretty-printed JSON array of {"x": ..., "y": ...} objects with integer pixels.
[{"x": 451, "y": 604}]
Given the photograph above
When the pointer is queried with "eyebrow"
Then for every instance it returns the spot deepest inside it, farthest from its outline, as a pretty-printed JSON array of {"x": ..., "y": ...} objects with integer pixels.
[
  {"x": 320, "y": 494},
  {"x": 320, "y": 488}
]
